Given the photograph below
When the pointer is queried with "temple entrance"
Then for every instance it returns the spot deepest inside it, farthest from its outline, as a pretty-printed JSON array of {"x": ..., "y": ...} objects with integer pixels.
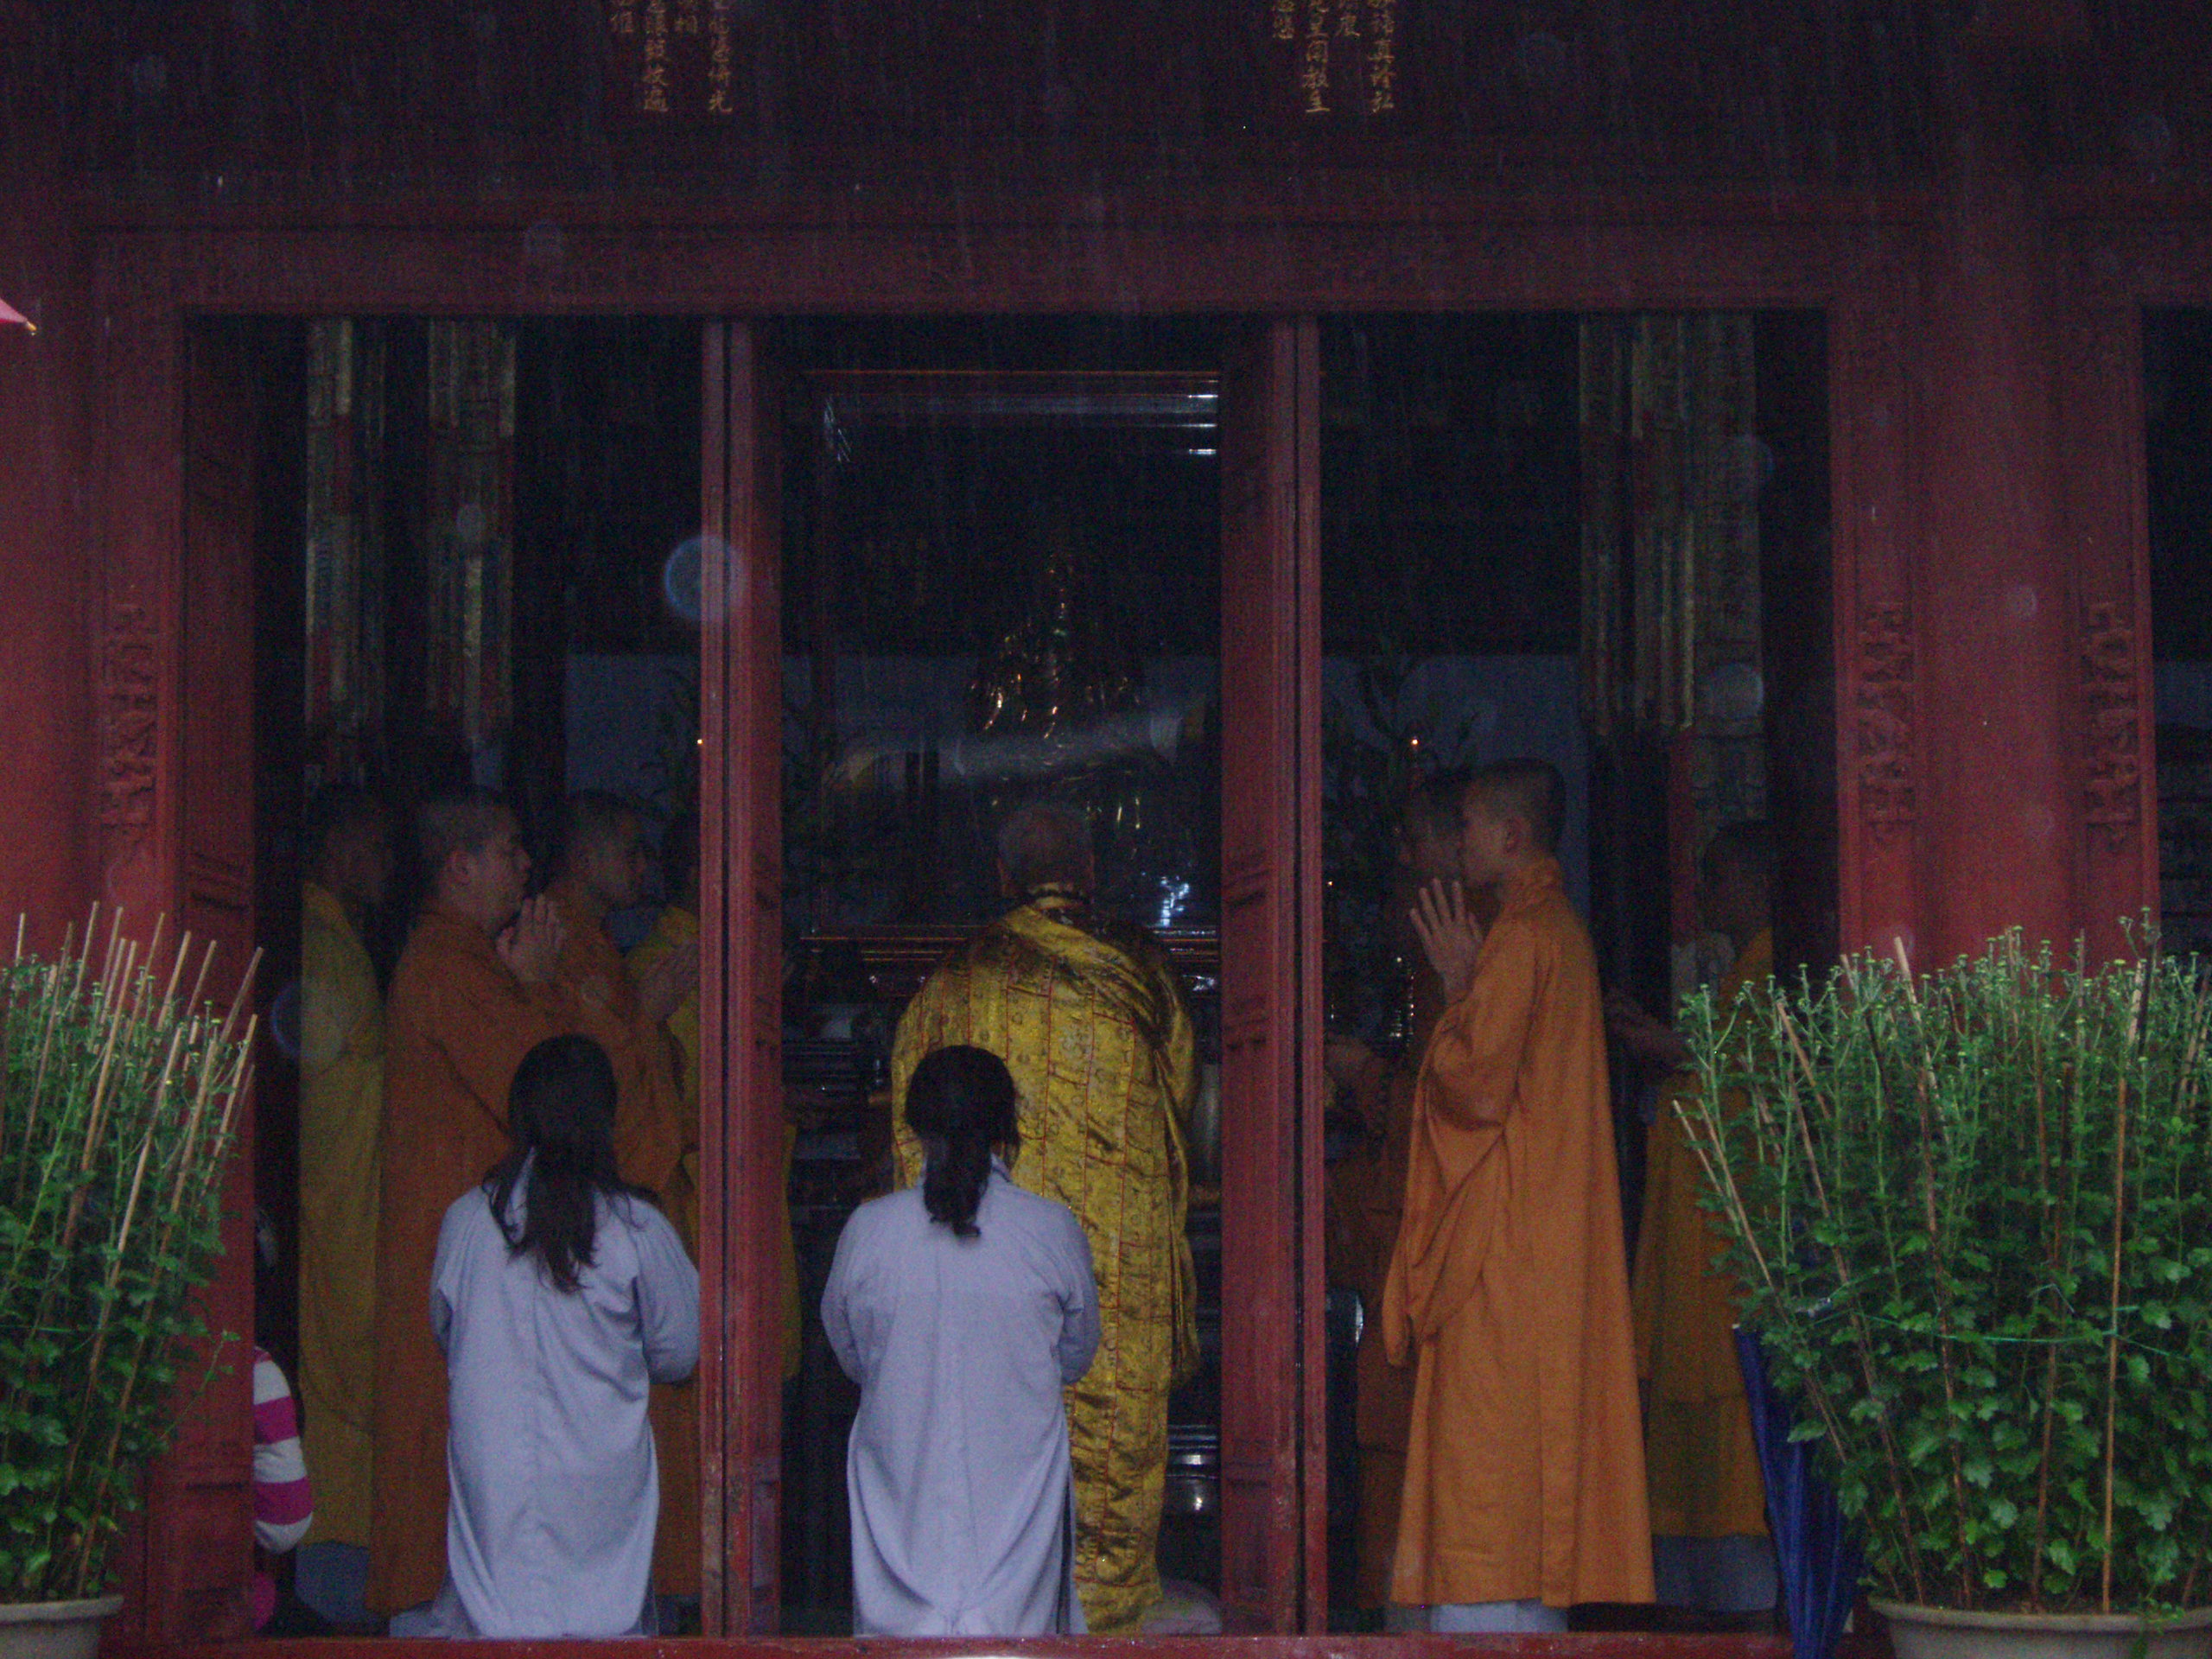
[
  {"x": 542, "y": 560},
  {"x": 1002, "y": 585},
  {"x": 843, "y": 594}
]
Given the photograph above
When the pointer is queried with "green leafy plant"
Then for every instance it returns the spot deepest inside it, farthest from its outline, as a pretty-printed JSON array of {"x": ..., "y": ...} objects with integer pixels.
[
  {"x": 1971, "y": 1213},
  {"x": 117, "y": 1092}
]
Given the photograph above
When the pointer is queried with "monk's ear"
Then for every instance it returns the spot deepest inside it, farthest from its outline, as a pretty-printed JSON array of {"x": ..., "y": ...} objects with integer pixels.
[{"x": 454, "y": 872}]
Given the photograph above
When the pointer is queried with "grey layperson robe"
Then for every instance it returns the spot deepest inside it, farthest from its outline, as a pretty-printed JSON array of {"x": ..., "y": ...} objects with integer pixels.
[
  {"x": 957, "y": 1468},
  {"x": 556, "y": 1491}
]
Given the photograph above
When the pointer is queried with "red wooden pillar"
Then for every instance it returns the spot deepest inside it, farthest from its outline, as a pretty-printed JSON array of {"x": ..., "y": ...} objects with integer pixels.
[
  {"x": 2004, "y": 818},
  {"x": 1272, "y": 1461},
  {"x": 45, "y": 575},
  {"x": 741, "y": 1085}
]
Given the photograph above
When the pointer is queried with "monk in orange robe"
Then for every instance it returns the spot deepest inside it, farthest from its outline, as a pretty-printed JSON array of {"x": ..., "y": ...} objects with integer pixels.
[
  {"x": 1366, "y": 1195},
  {"x": 602, "y": 867},
  {"x": 1508, "y": 1292},
  {"x": 1709, "y": 1502},
  {"x": 603, "y": 862},
  {"x": 476, "y": 990}
]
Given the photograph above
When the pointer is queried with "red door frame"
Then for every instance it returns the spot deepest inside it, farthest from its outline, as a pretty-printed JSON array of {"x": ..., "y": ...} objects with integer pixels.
[
  {"x": 2111, "y": 270},
  {"x": 1861, "y": 272},
  {"x": 1274, "y": 1406},
  {"x": 1272, "y": 1456},
  {"x": 741, "y": 1085}
]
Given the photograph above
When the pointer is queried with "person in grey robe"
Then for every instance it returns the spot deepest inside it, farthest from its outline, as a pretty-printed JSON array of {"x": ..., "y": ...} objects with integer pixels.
[
  {"x": 558, "y": 1294},
  {"x": 961, "y": 1307}
]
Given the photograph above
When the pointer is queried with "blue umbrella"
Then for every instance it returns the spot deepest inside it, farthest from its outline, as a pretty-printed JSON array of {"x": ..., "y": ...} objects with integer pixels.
[{"x": 1816, "y": 1551}]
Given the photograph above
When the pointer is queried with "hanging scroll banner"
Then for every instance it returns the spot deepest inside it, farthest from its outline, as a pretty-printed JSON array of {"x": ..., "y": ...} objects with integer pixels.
[
  {"x": 1336, "y": 61},
  {"x": 671, "y": 61}
]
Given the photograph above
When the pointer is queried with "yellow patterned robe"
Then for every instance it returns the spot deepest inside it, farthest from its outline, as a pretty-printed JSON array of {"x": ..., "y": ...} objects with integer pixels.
[
  {"x": 1088, "y": 1018},
  {"x": 341, "y": 1132}
]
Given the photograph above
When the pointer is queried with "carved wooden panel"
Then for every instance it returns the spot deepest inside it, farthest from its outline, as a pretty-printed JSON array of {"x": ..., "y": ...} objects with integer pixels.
[
  {"x": 128, "y": 714},
  {"x": 1883, "y": 756},
  {"x": 2103, "y": 522},
  {"x": 2112, "y": 719},
  {"x": 1880, "y": 744}
]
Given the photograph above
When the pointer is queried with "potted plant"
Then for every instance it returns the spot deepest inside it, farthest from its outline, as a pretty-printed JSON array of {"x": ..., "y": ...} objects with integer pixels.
[
  {"x": 1971, "y": 1217},
  {"x": 117, "y": 1091}
]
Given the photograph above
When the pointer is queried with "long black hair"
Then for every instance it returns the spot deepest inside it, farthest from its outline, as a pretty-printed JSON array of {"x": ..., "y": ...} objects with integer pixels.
[
  {"x": 561, "y": 1114},
  {"x": 961, "y": 1101}
]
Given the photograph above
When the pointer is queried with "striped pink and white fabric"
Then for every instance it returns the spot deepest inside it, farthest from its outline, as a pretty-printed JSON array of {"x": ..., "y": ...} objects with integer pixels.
[{"x": 283, "y": 1502}]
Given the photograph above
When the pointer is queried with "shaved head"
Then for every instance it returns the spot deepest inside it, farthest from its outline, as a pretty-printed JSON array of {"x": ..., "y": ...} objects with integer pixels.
[
  {"x": 592, "y": 819},
  {"x": 341, "y": 811},
  {"x": 460, "y": 821},
  {"x": 1045, "y": 844},
  {"x": 1433, "y": 806},
  {"x": 347, "y": 837},
  {"x": 1531, "y": 791}
]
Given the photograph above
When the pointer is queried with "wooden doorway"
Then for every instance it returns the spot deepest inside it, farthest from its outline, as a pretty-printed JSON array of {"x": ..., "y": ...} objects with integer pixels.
[{"x": 1273, "y": 1563}]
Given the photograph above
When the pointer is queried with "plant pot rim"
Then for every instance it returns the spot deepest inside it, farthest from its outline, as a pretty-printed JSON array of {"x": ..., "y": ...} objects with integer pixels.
[
  {"x": 2194, "y": 1618},
  {"x": 35, "y": 1612}
]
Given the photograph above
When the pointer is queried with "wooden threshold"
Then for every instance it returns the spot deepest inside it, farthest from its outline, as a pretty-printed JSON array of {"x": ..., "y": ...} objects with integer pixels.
[{"x": 1596, "y": 1644}]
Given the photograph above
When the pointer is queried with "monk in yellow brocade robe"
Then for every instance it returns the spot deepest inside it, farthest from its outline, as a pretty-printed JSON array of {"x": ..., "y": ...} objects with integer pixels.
[
  {"x": 1524, "y": 1471},
  {"x": 1708, "y": 1501},
  {"x": 475, "y": 991},
  {"x": 1088, "y": 1018},
  {"x": 341, "y": 1105}
]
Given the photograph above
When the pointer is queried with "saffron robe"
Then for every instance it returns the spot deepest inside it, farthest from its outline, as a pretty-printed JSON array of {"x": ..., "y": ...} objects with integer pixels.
[
  {"x": 1088, "y": 1018},
  {"x": 551, "y": 1458},
  {"x": 456, "y": 1025},
  {"x": 653, "y": 1138},
  {"x": 1366, "y": 1201},
  {"x": 957, "y": 1467},
  {"x": 341, "y": 1109},
  {"x": 657, "y": 1147},
  {"x": 1704, "y": 1468},
  {"x": 1524, "y": 1469}
]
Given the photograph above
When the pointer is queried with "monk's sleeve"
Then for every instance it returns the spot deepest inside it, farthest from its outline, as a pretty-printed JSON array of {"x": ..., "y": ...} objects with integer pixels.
[
  {"x": 1475, "y": 1060},
  {"x": 652, "y": 1130},
  {"x": 487, "y": 1027}
]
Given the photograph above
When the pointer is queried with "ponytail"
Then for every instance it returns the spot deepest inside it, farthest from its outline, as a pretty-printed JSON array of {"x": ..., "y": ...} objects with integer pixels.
[
  {"x": 561, "y": 1113},
  {"x": 961, "y": 1103}
]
